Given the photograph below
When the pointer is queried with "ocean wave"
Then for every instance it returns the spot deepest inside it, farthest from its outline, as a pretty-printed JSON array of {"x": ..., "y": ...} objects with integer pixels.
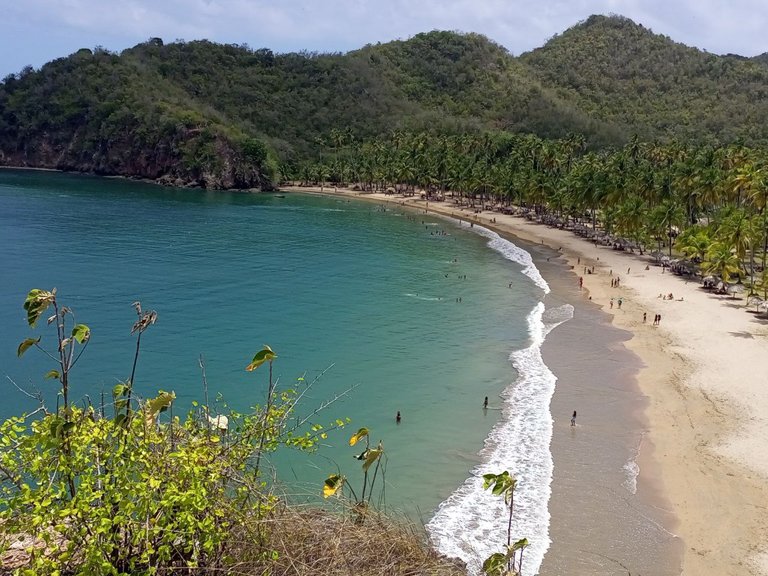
[
  {"x": 510, "y": 251},
  {"x": 427, "y": 298},
  {"x": 471, "y": 523},
  {"x": 631, "y": 472},
  {"x": 632, "y": 469}
]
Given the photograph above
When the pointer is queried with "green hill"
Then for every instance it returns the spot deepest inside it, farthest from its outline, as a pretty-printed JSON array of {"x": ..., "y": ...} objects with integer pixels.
[
  {"x": 217, "y": 115},
  {"x": 622, "y": 73}
]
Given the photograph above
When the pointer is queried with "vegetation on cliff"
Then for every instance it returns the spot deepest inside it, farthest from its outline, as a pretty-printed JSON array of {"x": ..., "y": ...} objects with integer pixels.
[{"x": 230, "y": 116}]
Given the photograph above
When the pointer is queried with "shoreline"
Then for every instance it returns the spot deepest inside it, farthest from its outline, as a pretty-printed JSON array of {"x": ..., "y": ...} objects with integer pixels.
[{"x": 707, "y": 411}]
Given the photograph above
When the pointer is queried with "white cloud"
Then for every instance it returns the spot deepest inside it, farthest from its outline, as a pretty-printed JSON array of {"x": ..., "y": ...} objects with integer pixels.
[{"x": 35, "y": 31}]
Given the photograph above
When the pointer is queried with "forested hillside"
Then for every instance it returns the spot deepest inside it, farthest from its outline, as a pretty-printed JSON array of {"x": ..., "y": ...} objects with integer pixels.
[
  {"x": 217, "y": 115},
  {"x": 622, "y": 73}
]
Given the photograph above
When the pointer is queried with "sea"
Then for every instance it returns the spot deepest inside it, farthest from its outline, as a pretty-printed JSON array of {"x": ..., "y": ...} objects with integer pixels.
[{"x": 373, "y": 310}]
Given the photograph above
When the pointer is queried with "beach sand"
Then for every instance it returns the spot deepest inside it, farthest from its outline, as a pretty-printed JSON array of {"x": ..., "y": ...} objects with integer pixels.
[
  {"x": 705, "y": 455},
  {"x": 603, "y": 521}
]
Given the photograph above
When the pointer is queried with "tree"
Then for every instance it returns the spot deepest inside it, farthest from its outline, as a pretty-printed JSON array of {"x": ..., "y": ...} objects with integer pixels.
[{"x": 721, "y": 261}]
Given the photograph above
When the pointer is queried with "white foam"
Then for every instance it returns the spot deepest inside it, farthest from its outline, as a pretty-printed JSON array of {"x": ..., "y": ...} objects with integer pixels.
[
  {"x": 631, "y": 472},
  {"x": 632, "y": 469},
  {"x": 513, "y": 252},
  {"x": 471, "y": 524},
  {"x": 426, "y": 298}
]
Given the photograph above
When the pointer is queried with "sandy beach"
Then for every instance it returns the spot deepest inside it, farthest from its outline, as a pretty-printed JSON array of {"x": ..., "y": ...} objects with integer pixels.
[{"x": 706, "y": 451}]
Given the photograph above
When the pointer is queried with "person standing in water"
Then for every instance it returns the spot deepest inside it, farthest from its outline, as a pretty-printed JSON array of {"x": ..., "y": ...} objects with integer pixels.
[
  {"x": 573, "y": 419},
  {"x": 485, "y": 402},
  {"x": 398, "y": 418}
]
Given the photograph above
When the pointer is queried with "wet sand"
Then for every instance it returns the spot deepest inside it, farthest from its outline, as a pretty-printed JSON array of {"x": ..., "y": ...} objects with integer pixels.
[{"x": 603, "y": 522}]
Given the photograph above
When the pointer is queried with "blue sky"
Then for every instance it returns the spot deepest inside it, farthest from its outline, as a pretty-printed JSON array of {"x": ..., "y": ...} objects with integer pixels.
[{"x": 36, "y": 31}]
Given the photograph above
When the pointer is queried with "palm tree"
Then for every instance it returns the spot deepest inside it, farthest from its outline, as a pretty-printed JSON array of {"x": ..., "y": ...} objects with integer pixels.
[
  {"x": 739, "y": 231},
  {"x": 694, "y": 243},
  {"x": 721, "y": 261},
  {"x": 630, "y": 219},
  {"x": 665, "y": 220}
]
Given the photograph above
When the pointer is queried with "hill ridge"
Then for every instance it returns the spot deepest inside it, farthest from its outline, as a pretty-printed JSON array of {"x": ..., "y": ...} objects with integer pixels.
[{"x": 223, "y": 115}]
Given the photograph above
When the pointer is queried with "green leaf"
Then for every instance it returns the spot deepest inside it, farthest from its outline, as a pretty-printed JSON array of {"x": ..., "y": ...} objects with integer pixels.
[
  {"x": 495, "y": 564},
  {"x": 332, "y": 485},
  {"x": 502, "y": 484},
  {"x": 357, "y": 436},
  {"x": 120, "y": 390},
  {"x": 264, "y": 355},
  {"x": 157, "y": 405},
  {"x": 52, "y": 374},
  {"x": 371, "y": 457},
  {"x": 26, "y": 345},
  {"x": 81, "y": 333},
  {"x": 36, "y": 303},
  {"x": 520, "y": 544}
]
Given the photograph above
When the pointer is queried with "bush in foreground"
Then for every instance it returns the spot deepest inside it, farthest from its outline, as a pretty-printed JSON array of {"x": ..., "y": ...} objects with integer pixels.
[{"x": 87, "y": 492}]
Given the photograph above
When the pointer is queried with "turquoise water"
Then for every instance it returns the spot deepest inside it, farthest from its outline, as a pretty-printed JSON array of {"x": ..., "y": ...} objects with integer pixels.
[{"x": 370, "y": 292}]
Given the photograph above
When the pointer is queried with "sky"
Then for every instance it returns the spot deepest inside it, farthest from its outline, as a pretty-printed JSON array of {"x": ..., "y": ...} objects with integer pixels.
[{"x": 33, "y": 32}]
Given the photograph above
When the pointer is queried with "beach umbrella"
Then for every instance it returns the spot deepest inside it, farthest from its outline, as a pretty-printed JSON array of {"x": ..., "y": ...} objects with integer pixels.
[
  {"x": 734, "y": 289},
  {"x": 756, "y": 301}
]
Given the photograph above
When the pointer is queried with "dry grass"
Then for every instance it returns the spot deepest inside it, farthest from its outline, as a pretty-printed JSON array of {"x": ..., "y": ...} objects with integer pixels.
[
  {"x": 315, "y": 542},
  {"x": 304, "y": 541}
]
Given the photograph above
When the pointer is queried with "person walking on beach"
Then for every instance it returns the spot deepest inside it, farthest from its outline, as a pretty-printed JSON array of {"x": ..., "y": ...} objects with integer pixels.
[
  {"x": 581, "y": 282},
  {"x": 620, "y": 302},
  {"x": 645, "y": 317},
  {"x": 573, "y": 419}
]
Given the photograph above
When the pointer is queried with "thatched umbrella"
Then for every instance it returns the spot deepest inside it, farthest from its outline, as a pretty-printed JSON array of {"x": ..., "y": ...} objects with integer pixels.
[
  {"x": 734, "y": 289},
  {"x": 756, "y": 301}
]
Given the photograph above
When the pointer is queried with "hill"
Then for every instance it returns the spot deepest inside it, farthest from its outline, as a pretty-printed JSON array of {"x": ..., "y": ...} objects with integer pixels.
[
  {"x": 201, "y": 113},
  {"x": 624, "y": 74}
]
